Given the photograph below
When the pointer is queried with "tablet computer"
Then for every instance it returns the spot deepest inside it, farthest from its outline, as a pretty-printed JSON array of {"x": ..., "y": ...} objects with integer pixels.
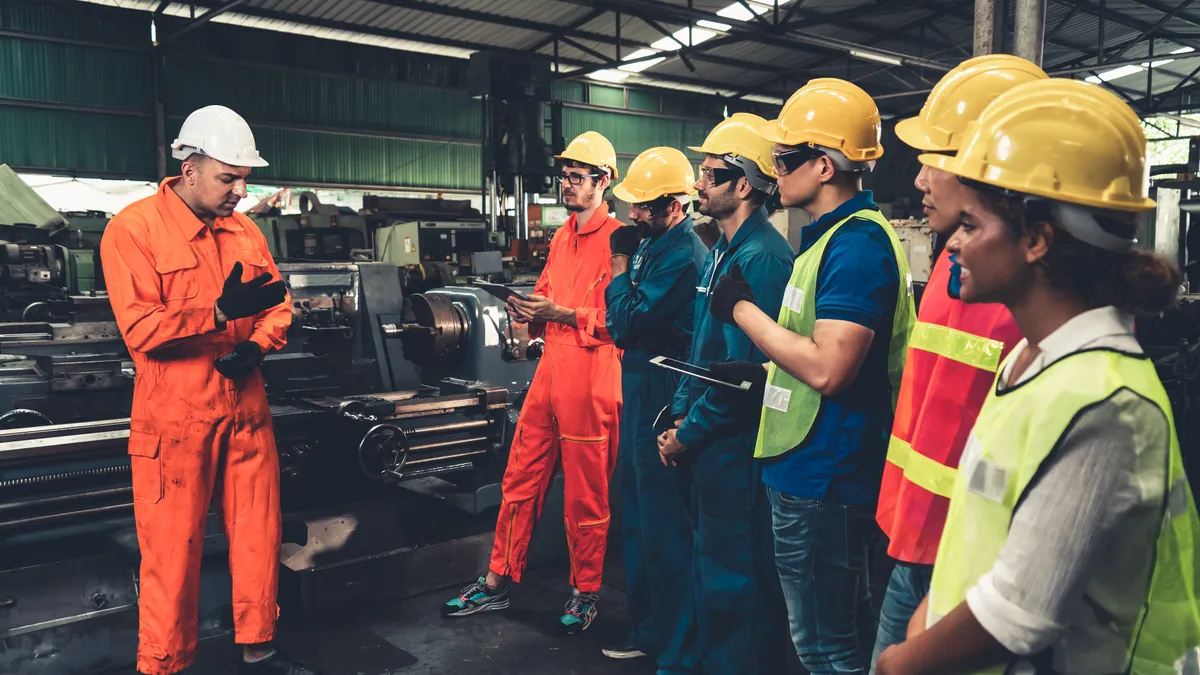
[
  {"x": 696, "y": 371},
  {"x": 499, "y": 291}
]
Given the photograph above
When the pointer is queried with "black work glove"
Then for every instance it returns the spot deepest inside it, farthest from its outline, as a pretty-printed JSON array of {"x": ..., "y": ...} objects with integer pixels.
[
  {"x": 731, "y": 289},
  {"x": 245, "y": 357},
  {"x": 239, "y": 300},
  {"x": 743, "y": 371},
  {"x": 624, "y": 241}
]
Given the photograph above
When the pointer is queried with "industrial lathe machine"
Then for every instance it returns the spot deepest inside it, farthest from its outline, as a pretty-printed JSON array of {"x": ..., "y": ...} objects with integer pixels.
[{"x": 392, "y": 413}]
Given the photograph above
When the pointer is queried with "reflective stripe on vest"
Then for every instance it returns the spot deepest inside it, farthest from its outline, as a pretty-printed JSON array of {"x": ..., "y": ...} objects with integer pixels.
[
  {"x": 972, "y": 350},
  {"x": 921, "y": 470},
  {"x": 1016, "y": 431},
  {"x": 790, "y": 406}
]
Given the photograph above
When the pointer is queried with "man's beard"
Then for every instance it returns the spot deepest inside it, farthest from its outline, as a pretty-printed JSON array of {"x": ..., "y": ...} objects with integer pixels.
[
  {"x": 719, "y": 206},
  {"x": 580, "y": 198},
  {"x": 648, "y": 229}
]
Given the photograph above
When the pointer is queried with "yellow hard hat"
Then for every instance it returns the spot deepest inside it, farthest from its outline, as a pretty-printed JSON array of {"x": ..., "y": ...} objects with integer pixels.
[
  {"x": 740, "y": 134},
  {"x": 831, "y": 113},
  {"x": 1061, "y": 139},
  {"x": 960, "y": 97},
  {"x": 655, "y": 173},
  {"x": 591, "y": 148}
]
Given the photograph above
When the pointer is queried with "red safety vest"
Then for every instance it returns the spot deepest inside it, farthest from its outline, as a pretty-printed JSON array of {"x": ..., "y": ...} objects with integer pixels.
[{"x": 952, "y": 359}]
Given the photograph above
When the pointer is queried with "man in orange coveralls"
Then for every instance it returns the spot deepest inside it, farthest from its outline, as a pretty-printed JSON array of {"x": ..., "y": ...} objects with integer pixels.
[
  {"x": 574, "y": 403},
  {"x": 174, "y": 264}
]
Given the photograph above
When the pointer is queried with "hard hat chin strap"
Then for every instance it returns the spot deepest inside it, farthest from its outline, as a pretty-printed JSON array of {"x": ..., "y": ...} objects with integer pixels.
[
  {"x": 1080, "y": 222},
  {"x": 754, "y": 175},
  {"x": 844, "y": 163}
]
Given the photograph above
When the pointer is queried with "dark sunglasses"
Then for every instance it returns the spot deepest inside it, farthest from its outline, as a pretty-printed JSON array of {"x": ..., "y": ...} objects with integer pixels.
[
  {"x": 656, "y": 206},
  {"x": 789, "y": 160},
  {"x": 576, "y": 179}
]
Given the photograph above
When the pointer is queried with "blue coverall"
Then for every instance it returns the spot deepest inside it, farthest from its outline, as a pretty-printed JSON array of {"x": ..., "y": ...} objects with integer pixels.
[
  {"x": 741, "y": 618},
  {"x": 650, "y": 313}
]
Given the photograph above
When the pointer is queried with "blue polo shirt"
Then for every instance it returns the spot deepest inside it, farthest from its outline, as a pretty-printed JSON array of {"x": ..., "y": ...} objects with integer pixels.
[{"x": 842, "y": 459}]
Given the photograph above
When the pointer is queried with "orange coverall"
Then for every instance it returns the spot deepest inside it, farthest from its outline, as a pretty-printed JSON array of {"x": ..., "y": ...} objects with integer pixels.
[
  {"x": 192, "y": 431},
  {"x": 570, "y": 413}
]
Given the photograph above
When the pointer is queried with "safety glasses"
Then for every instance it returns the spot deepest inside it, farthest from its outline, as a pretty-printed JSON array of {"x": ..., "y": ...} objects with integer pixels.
[
  {"x": 575, "y": 179},
  {"x": 713, "y": 177},
  {"x": 788, "y": 161},
  {"x": 655, "y": 207}
]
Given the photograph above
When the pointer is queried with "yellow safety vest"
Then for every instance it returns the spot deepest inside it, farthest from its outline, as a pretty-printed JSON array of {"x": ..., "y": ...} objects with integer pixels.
[
  {"x": 790, "y": 406},
  {"x": 1016, "y": 431}
]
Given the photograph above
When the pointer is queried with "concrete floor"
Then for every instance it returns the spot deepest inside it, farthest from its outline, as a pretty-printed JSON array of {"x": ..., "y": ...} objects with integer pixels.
[{"x": 410, "y": 638}]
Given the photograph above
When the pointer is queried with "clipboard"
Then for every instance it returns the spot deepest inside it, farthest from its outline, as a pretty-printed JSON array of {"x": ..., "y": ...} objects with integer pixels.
[
  {"x": 498, "y": 291},
  {"x": 703, "y": 374}
]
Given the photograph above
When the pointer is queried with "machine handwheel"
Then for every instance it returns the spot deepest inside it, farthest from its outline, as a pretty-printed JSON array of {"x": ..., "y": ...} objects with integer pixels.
[{"x": 383, "y": 452}]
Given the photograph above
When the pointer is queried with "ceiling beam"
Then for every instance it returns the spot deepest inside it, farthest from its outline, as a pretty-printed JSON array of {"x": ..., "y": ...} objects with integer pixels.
[
  {"x": 465, "y": 44},
  {"x": 203, "y": 19},
  {"x": 567, "y": 30},
  {"x": 1130, "y": 22}
]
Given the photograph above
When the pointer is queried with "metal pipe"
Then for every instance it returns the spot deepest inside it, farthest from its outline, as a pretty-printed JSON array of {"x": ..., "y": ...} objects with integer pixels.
[
  {"x": 453, "y": 427},
  {"x": 39, "y": 520},
  {"x": 441, "y": 445},
  {"x": 1029, "y": 37},
  {"x": 986, "y": 14},
  {"x": 60, "y": 499},
  {"x": 430, "y": 460},
  {"x": 519, "y": 206}
]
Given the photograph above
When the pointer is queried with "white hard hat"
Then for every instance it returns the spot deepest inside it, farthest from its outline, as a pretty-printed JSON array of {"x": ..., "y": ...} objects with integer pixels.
[{"x": 220, "y": 133}]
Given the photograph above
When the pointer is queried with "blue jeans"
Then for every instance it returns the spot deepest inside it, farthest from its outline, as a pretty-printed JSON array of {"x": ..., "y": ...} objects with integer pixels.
[
  {"x": 821, "y": 552},
  {"x": 906, "y": 589}
]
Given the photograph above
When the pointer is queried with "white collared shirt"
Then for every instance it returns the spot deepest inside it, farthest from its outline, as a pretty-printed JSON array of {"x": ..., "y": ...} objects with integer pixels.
[{"x": 1073, "y": 573}]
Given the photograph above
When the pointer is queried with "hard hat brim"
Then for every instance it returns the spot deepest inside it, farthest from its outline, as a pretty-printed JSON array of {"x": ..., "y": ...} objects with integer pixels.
[
  {"x": 912, "y": 132},
  {"x": 696, "y": 148},
  {"x": 621, "y": 192},
  {"x": 951, "y": 165},
  {"x": 771, "y": 133}
]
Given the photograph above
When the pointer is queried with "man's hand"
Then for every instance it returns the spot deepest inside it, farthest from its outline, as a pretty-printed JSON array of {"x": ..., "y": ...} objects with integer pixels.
[
  {"x": 239, "y": 300},
  {"x": 743, "y": 371},
  {"x": 245, "y": 357},
  {"x": 624, "y": 241},
  {"x": 540, "y": 308},
  {"x": 731, "y": 289},
  {"x": 669, "y": 447}
]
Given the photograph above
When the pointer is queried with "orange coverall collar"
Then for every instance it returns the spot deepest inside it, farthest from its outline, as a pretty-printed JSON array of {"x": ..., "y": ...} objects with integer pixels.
[
  {"x": 598, "y": 218},
  {"x": 179, "y": 213}
]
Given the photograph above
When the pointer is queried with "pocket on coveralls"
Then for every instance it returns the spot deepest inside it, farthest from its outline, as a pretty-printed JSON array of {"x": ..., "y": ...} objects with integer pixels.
[
  {"x": 177, "y": 270},
  {"x": 146, "y": 467}
]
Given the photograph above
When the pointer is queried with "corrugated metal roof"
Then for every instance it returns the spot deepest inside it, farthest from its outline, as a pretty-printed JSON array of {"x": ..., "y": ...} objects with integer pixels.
[{"x": 906, "y": 27}]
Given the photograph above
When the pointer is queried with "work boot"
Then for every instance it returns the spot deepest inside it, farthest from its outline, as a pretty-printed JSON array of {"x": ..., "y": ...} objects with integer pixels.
[
  {"x": 625, "y": 650},
  {"x": 578, "y": 613},
  {"x": 478, "y": 597},
  {"x": 276, "y": 664}
]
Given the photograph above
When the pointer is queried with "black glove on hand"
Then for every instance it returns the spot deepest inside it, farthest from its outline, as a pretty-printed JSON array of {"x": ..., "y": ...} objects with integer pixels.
[
  {"x": 624, "y": 241},
  {"x": 245, "y": 357},
  {"x": 239, "y": 300},
  {"x": 731, "y": 289},
  {"x": 743, "y": 371}
]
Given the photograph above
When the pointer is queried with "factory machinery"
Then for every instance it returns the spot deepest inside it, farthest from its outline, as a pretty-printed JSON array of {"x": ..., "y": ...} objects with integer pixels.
[{"x": 393, "y": 415}]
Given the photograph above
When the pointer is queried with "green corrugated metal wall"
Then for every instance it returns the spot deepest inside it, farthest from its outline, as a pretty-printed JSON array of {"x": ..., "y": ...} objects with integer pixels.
[{"x": 323, "y": 111}]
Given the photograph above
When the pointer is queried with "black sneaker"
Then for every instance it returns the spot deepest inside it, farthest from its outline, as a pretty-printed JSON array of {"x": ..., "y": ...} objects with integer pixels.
[
  {"x": 276, "y": 664},
  {"x": 625, "y": 650},
  {"x": 476, "y": 598},
  {"x": 579, "y": 613}
]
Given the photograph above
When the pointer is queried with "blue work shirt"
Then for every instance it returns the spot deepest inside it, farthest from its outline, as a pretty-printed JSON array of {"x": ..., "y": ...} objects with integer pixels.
[
  {"x": 715, "y": 413},
  {"x": 842, "y": 459},
  {"x": 654, "y": 297}
]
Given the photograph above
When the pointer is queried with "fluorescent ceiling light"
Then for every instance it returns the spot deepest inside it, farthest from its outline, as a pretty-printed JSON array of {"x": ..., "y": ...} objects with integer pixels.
[
  {"x": 738, "y": 11},
  {"x": 1126, "y": 71},
  {"x": 705, "y": 23},
  {"x": 876, "y": 57},
  {"x": 680, "y": 36},
  {"x": 641, "y": 65},
  {"x": 613, "y": 76}
]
